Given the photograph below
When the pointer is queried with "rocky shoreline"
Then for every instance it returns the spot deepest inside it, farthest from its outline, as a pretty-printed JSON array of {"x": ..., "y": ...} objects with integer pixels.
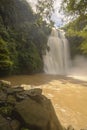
[{"x": 26, "y": 109}]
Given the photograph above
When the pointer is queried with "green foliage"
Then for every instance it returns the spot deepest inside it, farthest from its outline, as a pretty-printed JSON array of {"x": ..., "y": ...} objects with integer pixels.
[
  {"x": 22, "y": 38},
  {"x": 3, "y": 33},
  {"x": 75, "y": 42},
  {"x": 14, "y": 12},
  {"x": 77, "y": 36},
  {"x": 13, "y": 54},
  {"x": 84, "y": 47},
  {"x": 44, "y": 9},
  {"x": 5, "y": 62},
  {"x": 30, "y": 59},
  {"x": 78, "y": 7}
]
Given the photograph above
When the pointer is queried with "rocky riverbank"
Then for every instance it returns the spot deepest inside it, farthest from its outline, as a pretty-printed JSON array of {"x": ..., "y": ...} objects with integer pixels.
[{"x": 26, "y": 109}]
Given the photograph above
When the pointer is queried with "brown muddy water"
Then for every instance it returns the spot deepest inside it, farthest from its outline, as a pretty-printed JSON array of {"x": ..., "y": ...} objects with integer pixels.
[{"x": 69, "y": 96}]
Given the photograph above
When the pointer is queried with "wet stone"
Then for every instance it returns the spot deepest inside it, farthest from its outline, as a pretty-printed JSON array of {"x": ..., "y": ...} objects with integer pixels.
[
  {"x": 4, "y": 83},
  {"x": 15, "y": 125},
  {"x": 18, "y": 89},
  {"x": 20, "y": 97},
  {"x": 3, "y": 96},
  {"x": 14, "y": 90},
  {"x": 35, "y": 91}
]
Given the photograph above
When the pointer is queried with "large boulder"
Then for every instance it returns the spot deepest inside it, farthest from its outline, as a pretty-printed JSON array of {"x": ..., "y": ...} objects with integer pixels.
[{"x": 37, "y": 114}]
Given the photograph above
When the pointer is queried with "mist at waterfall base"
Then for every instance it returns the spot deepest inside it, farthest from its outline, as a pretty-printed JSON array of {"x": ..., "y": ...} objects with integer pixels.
[
  {"x": 79, "y": 68},
  {"x": 57, "y": 59}
]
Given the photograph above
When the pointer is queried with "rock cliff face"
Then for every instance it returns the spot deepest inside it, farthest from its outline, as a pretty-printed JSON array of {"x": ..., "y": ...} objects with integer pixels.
[{"x": 27, "y": 109}]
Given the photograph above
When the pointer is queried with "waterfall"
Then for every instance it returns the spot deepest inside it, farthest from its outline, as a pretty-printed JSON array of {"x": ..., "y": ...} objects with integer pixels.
[{"x": 56, "y": 60}]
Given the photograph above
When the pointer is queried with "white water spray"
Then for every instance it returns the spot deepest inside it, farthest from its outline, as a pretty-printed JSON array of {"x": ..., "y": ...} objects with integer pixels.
[{"x": 56, "y": 60}]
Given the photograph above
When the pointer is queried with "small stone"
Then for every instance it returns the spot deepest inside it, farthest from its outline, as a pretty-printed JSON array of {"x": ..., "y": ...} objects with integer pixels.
[
  {"x": 19, "y": 97},
  {"x": 15, "y": 124},
  {"x": 18, "y": 89},
  {"x": 14, "y": 90},
  {"x": 70, "y": 127},
  {"x": 35, "y": 91}
]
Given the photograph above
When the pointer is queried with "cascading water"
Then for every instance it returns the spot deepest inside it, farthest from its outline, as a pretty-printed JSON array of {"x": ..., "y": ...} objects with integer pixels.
[{"x": 56, "y": 60}]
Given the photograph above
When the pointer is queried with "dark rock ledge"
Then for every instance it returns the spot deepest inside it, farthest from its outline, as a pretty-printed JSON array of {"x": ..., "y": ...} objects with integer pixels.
[{"x": 26, "y": 109}]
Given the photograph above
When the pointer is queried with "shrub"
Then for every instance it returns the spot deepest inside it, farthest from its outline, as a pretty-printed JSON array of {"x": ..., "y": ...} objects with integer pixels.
[{"x": 5, "y": 62}]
